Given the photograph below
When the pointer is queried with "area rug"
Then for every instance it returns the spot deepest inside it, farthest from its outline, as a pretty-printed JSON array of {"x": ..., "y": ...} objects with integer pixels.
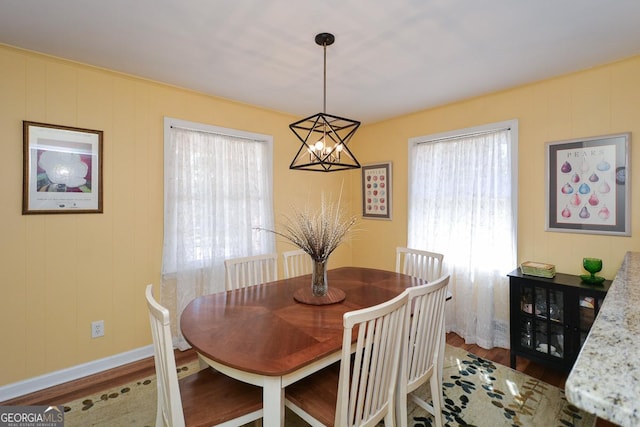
[{"x": 477, "y": 392}]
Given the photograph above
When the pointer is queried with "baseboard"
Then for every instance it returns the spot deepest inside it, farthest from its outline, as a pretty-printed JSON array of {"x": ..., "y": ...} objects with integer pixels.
[{"x": 52, "y": 379}]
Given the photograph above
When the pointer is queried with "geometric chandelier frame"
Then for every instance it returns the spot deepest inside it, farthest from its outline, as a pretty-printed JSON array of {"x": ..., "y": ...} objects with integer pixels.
[{"x": 324, "y": 137}]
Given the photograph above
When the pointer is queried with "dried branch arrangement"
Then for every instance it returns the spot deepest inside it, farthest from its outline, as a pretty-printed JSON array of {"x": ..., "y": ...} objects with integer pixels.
[{"x": 317, "y": 232}]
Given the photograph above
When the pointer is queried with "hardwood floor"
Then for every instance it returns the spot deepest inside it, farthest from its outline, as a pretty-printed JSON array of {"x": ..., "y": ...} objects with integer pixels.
[
  {"x": 501, "y": 356},
  {"x": 95, "y": 383},
  {"x": 91, "y": 384}
]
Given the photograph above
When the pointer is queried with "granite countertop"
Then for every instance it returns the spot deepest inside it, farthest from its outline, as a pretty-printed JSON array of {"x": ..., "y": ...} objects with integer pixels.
[{"x": 605, "y": 380}]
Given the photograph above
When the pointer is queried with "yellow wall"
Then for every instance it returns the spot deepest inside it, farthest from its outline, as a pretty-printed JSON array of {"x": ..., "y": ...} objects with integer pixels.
[
  {"x": 60, "y": 272},
  {"x": 599, "y": 101}
]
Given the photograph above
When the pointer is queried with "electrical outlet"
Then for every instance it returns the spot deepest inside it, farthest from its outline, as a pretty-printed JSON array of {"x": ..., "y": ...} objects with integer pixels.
[{"x": 97, "y": 329}]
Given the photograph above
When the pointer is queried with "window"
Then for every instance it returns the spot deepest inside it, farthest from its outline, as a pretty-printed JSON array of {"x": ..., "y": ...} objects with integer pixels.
[
  {"x": 462, "y": 203},
  {"x": 218, "y": 189}
]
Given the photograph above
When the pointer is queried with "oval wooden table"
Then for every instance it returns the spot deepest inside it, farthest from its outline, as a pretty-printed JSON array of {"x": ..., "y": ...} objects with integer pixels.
[{"x": 261, "y": 335}]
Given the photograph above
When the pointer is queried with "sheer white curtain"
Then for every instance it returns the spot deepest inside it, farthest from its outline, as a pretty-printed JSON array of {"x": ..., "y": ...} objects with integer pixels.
[
  {"x": 218, "y": 188},
  {"x": 462, "y": 204}
]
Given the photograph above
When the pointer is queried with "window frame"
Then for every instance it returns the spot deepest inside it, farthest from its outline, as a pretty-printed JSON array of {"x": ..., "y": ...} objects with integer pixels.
[
  {"x": 170, "y": 122},
  {"x": 512, "y": 125}
]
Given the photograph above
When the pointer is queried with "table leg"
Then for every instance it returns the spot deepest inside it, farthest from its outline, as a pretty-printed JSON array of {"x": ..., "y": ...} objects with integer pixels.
[{"x": 273, "y": 402}]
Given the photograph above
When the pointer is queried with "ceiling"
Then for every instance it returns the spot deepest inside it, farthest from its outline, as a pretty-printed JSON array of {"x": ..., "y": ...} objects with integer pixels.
[{"x": 390, "y": 57}]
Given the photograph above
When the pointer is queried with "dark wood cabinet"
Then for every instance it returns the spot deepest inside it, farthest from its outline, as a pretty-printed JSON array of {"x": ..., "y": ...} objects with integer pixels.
[{"x": 550, "y": 318}]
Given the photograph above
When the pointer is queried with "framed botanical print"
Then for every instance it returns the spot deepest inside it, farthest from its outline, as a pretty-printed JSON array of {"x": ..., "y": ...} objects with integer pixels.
[
  {"x": 376, "y": 191},
  {"x": 587, "y": 186},
  {"x": 62, "y": 169}
]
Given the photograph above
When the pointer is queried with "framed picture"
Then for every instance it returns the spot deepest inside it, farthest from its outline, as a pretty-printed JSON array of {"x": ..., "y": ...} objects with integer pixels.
[
  {"x": 587, "y": 186},
  {"x": 62, "y": 169},
  {"x": 376, "y": 191}
]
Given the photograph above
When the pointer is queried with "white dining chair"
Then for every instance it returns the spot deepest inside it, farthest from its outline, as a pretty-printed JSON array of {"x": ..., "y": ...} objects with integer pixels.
[
  {"x": 360, "y": 389},
  {"x": 296, "y": 263},
  {"x": 251, "y": 270},
  {"x": 204, "y": 398},
  {"x": 418, "y": 263},
  {"x": 423, "y": 350}
]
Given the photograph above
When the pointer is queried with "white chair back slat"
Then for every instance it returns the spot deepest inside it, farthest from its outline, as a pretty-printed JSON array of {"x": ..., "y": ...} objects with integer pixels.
[
  {"x": 422, "y": 349},
  {"x": 375, "y": 364},
  {"x": 169, "y": 404},
  {"x": 296, "y": 263},
  {"x": 250, "y": 271},
  {"x": 425, "y": 265}
]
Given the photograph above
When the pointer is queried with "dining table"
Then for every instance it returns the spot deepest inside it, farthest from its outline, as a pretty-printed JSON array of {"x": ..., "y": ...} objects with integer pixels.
[{"x": 263, "y": 336}]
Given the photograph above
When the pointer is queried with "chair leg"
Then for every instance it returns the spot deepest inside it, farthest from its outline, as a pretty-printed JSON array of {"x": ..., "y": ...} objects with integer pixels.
[
  {"x": 401, "y": 408},
  {"x": 390, "y": 418},
  {"x": 159, "y": 416},
  {"x": 436, "y": 398}
]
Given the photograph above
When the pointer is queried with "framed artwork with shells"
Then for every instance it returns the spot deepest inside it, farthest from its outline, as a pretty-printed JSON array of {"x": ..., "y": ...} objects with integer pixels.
[
  {"x": 62, "y": 169},
  {"x": 587, "y": 186},
  {"x": 376, "y": 191}
]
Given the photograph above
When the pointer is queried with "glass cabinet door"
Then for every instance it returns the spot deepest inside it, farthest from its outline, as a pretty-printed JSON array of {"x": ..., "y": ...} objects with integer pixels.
[
  {"x": 589, "y": 307},
  {"x": 526, "y": 318},
  {"x": 549, "y": 321}
]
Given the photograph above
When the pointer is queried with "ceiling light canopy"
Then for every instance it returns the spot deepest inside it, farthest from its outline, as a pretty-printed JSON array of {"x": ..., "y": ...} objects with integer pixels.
[{"x": 324, "y": 136}]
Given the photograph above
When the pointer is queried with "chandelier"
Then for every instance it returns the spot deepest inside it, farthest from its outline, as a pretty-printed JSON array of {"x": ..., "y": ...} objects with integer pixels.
[{"x": 324, "y": 136}]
